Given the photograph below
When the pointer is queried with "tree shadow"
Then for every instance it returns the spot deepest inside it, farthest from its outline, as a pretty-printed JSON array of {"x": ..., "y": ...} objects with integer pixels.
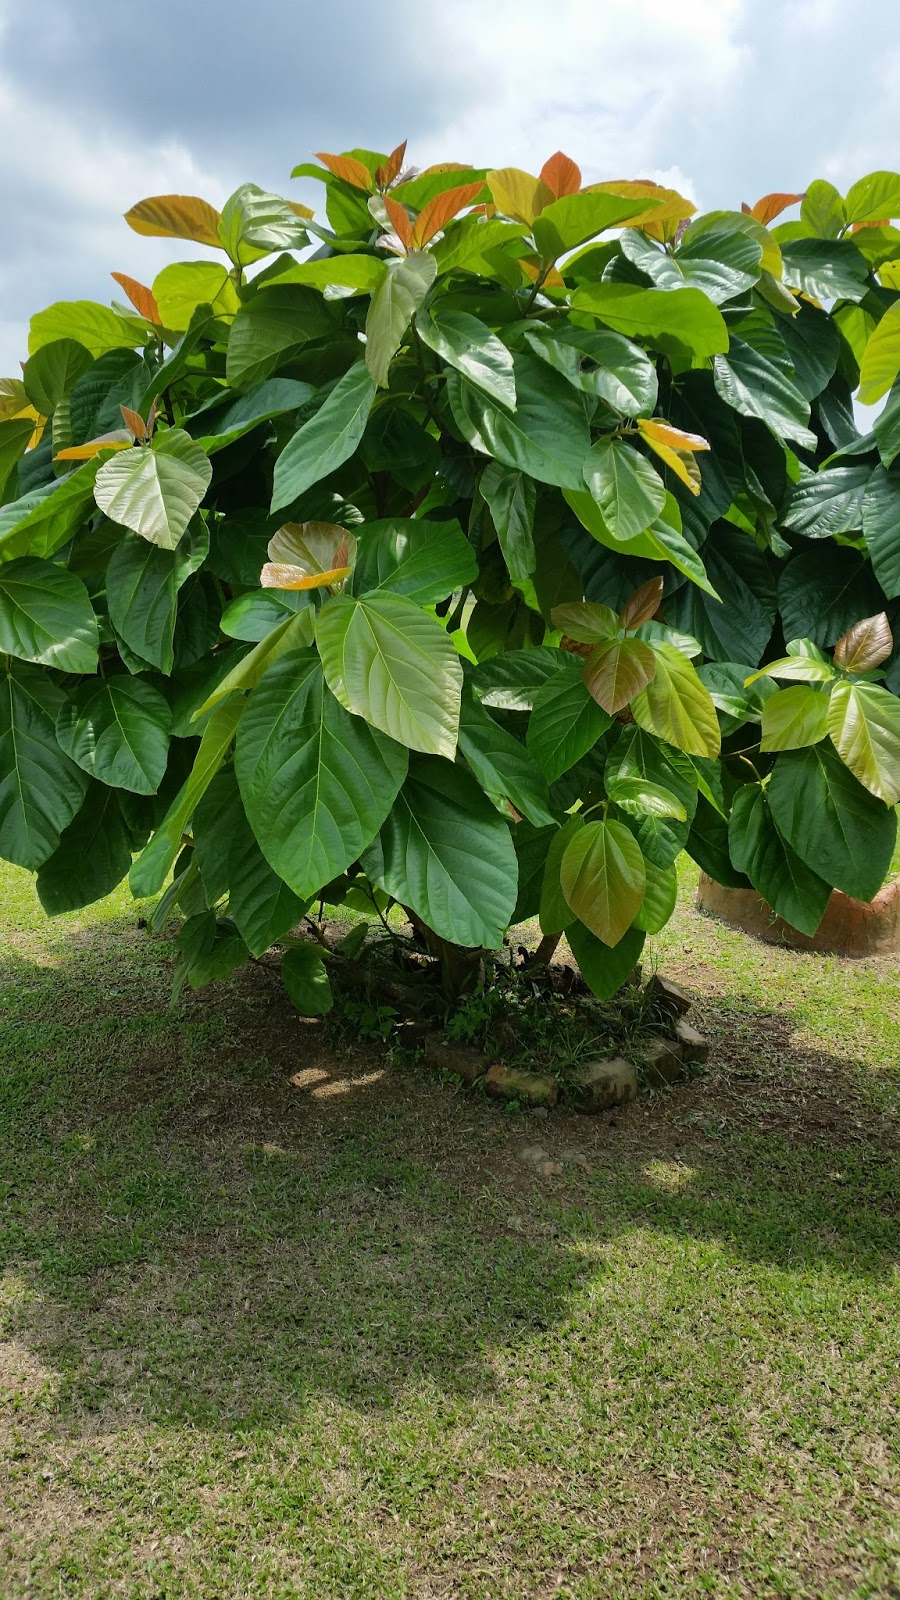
[{"x": 217, "y": 1213}]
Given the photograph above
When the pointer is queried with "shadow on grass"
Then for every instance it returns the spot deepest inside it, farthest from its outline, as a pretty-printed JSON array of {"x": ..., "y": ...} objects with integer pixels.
[{"x": 188, "y": 1235}]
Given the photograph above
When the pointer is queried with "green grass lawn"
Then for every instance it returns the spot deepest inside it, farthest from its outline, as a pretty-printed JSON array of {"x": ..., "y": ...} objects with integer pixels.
[{"x": 336, "y": 1339}]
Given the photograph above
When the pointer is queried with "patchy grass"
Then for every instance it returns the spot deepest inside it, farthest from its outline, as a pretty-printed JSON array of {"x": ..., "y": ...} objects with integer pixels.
[{"x": 335, "y": 1339}]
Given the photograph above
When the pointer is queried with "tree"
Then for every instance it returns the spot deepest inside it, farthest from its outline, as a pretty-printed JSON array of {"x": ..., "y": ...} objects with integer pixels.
[{"x": 515, "y": 539}]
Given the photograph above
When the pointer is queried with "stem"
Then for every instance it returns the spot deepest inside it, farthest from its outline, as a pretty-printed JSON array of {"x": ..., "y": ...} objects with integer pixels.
[
  {"x": 538, "y": 285},
  {"x": 545, "y": 951}
]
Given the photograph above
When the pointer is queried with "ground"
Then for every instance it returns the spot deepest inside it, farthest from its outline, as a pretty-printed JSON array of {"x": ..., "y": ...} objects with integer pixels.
[{"x": 335, "y": 1339}]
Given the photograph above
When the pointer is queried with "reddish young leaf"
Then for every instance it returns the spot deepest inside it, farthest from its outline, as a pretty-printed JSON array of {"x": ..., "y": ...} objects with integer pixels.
[
  {"x": 441, "y": 210},
  {"x": 402, "y": 226},
  {"x": 389, "y": 169},
  {"x": 882, "y": 222},
  {"x": 643, "y": 604},
  {"x": 561, "y": 175},
  {"x": 615, "y": 672},
  {"x": 134, "y": 422},
  {"x": 865, "y": 645},
  {"x": 348, "y": 169},
  {"x": 771, "y": 206},
  {"x": 141, "y": 297}
]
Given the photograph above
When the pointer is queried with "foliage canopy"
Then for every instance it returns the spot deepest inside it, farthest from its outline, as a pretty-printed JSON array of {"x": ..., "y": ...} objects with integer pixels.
[{"x": 512, "y": 539}]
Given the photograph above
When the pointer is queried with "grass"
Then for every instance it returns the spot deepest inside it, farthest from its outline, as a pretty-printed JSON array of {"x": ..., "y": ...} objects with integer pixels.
[{"x": 333, "y": 1338}]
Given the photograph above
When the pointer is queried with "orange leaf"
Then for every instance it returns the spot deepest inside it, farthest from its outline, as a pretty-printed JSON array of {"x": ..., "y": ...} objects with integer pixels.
[
  {"x": 176, "y": 216},
  {"x": 134, "y": 422},
  {"x": 771, "y": 206},
  {"x": 140, "y": 296},
  {"x": 658, "y": 432},
  {"x": 643, "y": 604},
  {"x": 348, "y": 169},
  {"x": 403, "y": 228},
  {"x": 276, "y": 575},
  {"x": 389, "y": 169},
  {"x": 439, "y": 211},
  {"x": 561, "y": 175},
  {"x": 119, "y": 440},
  {"x": 883, "y": 222}
]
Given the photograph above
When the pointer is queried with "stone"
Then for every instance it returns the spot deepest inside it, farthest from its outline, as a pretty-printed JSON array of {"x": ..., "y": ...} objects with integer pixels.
[
  {"x": 534, "y": 1154},
  {"x": 668, "y": 996},
  {"x": 662, "y": 1062},
  {"x": 461, "y": 1059},
  {"x": 506, "y": 1083},
  {"x": 694, "y": 1048},
  {"x": 599, "y": 1085},
  {"x": 550, "y": 1169}
]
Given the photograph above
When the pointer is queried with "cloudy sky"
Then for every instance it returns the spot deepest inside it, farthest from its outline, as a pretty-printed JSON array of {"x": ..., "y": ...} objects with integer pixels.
[{"x": 103, "y": 103}]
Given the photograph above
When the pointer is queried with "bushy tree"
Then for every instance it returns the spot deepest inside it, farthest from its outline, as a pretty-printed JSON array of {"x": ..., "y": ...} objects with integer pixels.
[{"x": 514, "y": 539}]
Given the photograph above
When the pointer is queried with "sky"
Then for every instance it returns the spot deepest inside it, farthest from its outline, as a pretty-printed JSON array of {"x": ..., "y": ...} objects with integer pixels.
[{"x": 104, "y": 103}]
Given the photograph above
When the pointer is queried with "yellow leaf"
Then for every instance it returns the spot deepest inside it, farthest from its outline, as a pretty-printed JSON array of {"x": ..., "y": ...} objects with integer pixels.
[
  {"x": 518, "y": 195},
  {"x": 535, "y": 267},
  {"x": 660, "y": 222},
  {"x": 176, "y": 216},
  {"x": 277, "y": 576},
  {"x": 120, "y": 440},
  {"x": 663, "y": 433},
  {"x": 300, "y": 211},
  {"x": 889, "y": 273}
]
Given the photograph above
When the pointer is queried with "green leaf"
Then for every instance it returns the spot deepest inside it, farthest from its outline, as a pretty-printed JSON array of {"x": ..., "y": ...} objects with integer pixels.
[
  {"x": 571, "y": 220},
  {"x": 757, "y": 386},
  {"x": 394, "y": 665},
  {"x": 660, "y": 895},
  {"x": 324, "y": 443},
  {"x": 873, "y": 197},
  {"x": 52, "y": 372},
  {"x": 156, "y": 860},
  {"x": 180, "y": 288},
  {"x": 393, "y": 305},
  {"x": 822, "y": 592},
  {"x": 660, "y": 542},
  {"x": 446, "y": 854},
  {"x": 506, "y": 770},
  {"x": 414, "y": 557},
  {"x": 638, "y": 798},
  {"x": 735, "y": 623},
  {"x": 142, "y": 584},
  {"x": 831, "y": 821},
  {"x": 117, "y": 730},
  {"x": 827, "y": 502},
  {"x": 864, "y": 723},
  {"x": 511, "y": 682},
  {"x": 40, "y": 788},
  {"x": 565, "y": 722},
  {"x": 677, "y": 706},
  {"x": 40, "y": 522},
  {"x": 881, "y": 362},
  {"x": 823, "y": 213},
  {"x": 628, "y": 490},
  {"x": 272, "y": 329},
  {"x": 637, "y": 765},
  {"x": 227, "y": 424},
  {"x": 208, "y": 947},
  {"x": 253, "y": 616},
  {"x": 548, "y": 435},
  {"x": 881, "y": 527},
  {"x": 15, "y": 437},
  {"x": 316, "y": 783},
  {"x": 803, "y": 663},
  {"x": 92, "y": 857},
  {"x": 468, "y": 344},
  {"x": 886, "y": 428},
  {"x": 95, "y": 327},
  {"x": 255, "y": 223},
  {"x": 306, "y": 980},
  {"x": 465, "y": 242},
  {"x": 605, "y": 970},
  {"x": 603, "y": 878},
  {"x": 556, "y": 915},
  {"x": 294, "y": 633},
  {"x": 364, "y": 273},
  {"x": 684, "y": 321},
  {"x": 721, "y": 264},
  {"x": 825, "y": 269},
  {"x": 601, "y": 364},
  {"x": 46, "y": 616},
  {"x": 511, "y": 498},
  {"x": 793, "y": 718},
  {"x": 813, "y": 344},
  {"x": 757, "y": 849},
  {"x": 156, "y": 491}
]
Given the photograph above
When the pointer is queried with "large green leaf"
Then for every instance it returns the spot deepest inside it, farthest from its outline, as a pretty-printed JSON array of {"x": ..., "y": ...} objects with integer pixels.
[
  {"x": 637, "y": 765},
  {"x": 737, "y": 625},
  {"x": 117, "y": 729},
  {"x": 252, "y": 616},
  {"x": 565, "y": 722},
  {"x": 603, "y": 878},
  {"x": 813, "y": 345},
  {"x": 142, "y": 584},
  {"x": 683, "y": 321},
  {"x": 601, "y": 364},
  {"x": 306, "y": 980},
  {"x": 364, "y": 273},
  {"x": 507, "y": 771},
  {"x": 511, "y": 499},
  {"x": 415, "y": 557},
  {"x": 881, "y": 362},
  {"x": 324, "y": 443},
  {"x": 794, "y": 717},
  {"x": 395, "y": 301},
  {"x": 294, "y": 633},
  {"x": 180, "y": 288},
  {"x": 886, "y": 428},
  {"x": 881, "y": 527},
  {"x": 216, "y": 426},
  {"x": 155, "y": 491},
  {"x": 15, "y": 437},
  {"x": 260, "y": 903},
  {"x": 628, "y": 490},
  {"x": 605, "y": 968},
  {"x": 755, "y": 385},
  {"x": 824, "y": 269},
  {"x": 46, "y": 616},
  {"x": 271, "y": 330},
  {"x": 393, "y": 664},
  {"x": 316, "y": 782},
  {"x": 864, "y": 723},
  {"x": 828, "y": 502},
  {"x": 547, "y": 436},
  {"x": 569, "y": 221},
  {"x": 52, "y": 372},
  {"x": 660, "y": 896},
  {"x": 95, "y": 327},
  {"x": 722, "y": 265},
  {"x": 92, "y": 857},
  {"x": 467, "y": 343},
  {"x": 823, "y": 591},
  {"x": 873, "y": 197},
  {"x": 823, "y": 213},
  {"x": 757, "y": 849},
  {"x": 832, "y": 822},
  {"x": 156, "y": 860},
  {"x": 40, "y": 788},
  {"x": 556, "y": 915},
  {"x": 677, "y": 707},
  {"x": 446, "y": 854},
  {"x": 40, "y": 522},
  {"x": 659, "y": 542},
  {"x": 255, "y": 223}
]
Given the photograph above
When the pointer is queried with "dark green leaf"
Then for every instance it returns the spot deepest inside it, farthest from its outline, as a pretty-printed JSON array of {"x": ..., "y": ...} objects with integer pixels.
[
  {"x": 117, "y": 729},
  {"x": 271, "y": 330},
  {"x": 46, "y": 616},
  {"x": 757, "y": 385},
  {"x": 565, "y": 722},
  {"x": 506, "y": 770},
  {"x": 40, "y": 788},
  {"x": 468, "y": 344},
  {"x": 832, "y": 823},
  {"x": 419, "y": 559},
  {"x": 881, "y": 527},
  {"x": 547, "y": 437},
  {"x": 791, "y": 888},
  {"x": 605, "y": 968},
  {"x": 328, "y": 440},
  {"x": 92, "y": 857},
  {"x": 825, "y": 503},
  {"x": 306, "y": 980}
]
